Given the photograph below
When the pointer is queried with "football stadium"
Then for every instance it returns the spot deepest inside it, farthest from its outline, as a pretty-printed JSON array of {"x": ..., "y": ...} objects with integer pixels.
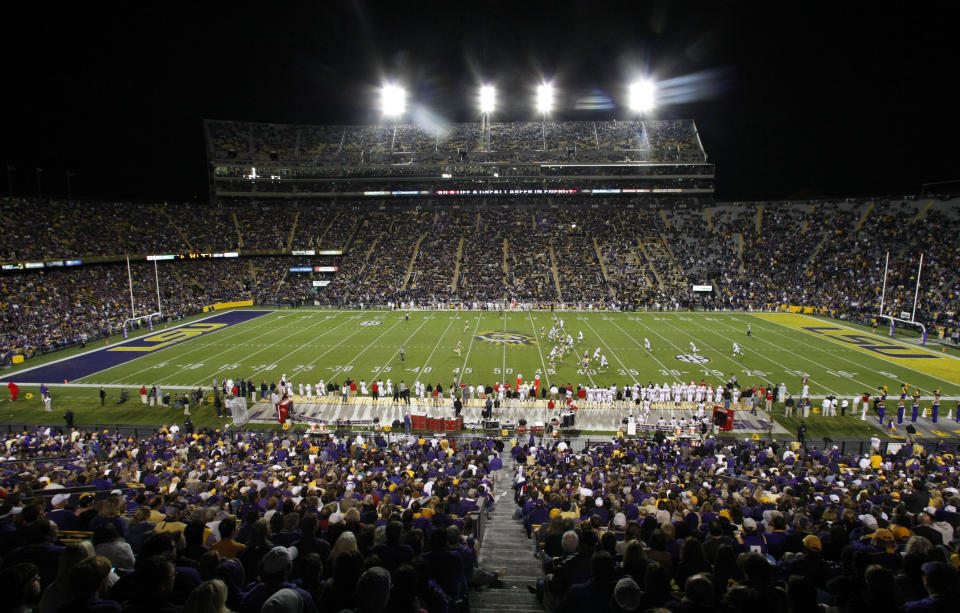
[{"x": 529, "y": 360}]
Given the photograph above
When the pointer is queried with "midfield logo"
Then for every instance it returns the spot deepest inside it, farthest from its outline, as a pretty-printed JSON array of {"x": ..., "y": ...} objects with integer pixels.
[
  {"x": 506, "y": 338},
  {"x": 692, "y": 359}
]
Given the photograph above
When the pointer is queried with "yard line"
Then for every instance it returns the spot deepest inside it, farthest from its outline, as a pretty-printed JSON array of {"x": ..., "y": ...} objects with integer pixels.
[
  {"x": 255, "y": 373},
  {"x": 860, "y": 365},
  {"x": 940, "y": 355},
  {"x": 361, "y": 352},
  {"x": 771, "y": 360},
  {"x": 130, "y": 340},
  {"x": 420, "y": 371},
  {"x": 309, "y": 365},
  {"x": 210, "y": 340},
  {"x": 503, "y": 373},
  {"x": 605, "y": 344},
  {"x": 407, "y": 340},
  {"x": 469, "y": 347},
  {"x": 177, "y": 372},
  {"x": 638, "y": 320},
  {"x": 533, "y": 326},
  {"x": 576, "y": 356}
]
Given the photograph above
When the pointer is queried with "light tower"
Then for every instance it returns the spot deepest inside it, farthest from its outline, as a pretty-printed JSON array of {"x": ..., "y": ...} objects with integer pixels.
[
  {"x": 488, "y": 97},
  {"x": 393, "y": 102},
  {"x": 544, "y": 106}
]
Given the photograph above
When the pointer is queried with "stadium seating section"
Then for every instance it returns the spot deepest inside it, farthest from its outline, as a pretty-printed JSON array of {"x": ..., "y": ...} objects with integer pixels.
[{"x": 608, "y": 254}]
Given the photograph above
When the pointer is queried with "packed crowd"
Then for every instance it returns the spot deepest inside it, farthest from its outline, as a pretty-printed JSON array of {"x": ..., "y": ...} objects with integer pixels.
[
  {"x": 50, "y": 309},
  {"x": 830, "y": 255},
  {"x": 653, "y": 140},
  {"x": 209, "y": 522},
  {"x": 652, "y": 524}
]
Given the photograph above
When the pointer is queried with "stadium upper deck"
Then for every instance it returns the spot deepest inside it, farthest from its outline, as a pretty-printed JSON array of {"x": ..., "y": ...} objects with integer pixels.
[{"x": 577, "y": 157}]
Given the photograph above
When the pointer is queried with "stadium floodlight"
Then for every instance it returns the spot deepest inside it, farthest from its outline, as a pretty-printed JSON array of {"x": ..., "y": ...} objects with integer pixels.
[
  {"x": 544, "y": 98},
  {"x": 488, "y": 98},
  {"x": 641, "y": 96},
  {"x": 393, "y": 100}
]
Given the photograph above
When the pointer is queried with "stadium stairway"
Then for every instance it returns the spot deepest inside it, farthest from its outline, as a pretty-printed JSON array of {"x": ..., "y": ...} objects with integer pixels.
[
  {"x": 456, "y": 268},
  {"x": 179, "y": 232},
  {"x": 922, "y": 212},
  {"x": 293, "y": 230},
  {"x": 556, "y": 271},
  {"x": 646, "y": 256},
  {"x": 866, "y": 214},
  {"x": 739, "y": 237},
  {"x": 506, "y": 264},
  {"x": 236, "y": 226},
  {"x": 505, "y": 546},
  {"x": 413, "y": 261},
  {"x": 806, "y": 220},
  {"x": 323, "y": 235},
  {"x": 816, "y": 252},
  {"x": 603, "y": 266}
]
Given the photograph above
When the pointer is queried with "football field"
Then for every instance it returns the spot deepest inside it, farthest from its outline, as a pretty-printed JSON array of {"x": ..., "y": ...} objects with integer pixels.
[{"x": 486, "y": 347}]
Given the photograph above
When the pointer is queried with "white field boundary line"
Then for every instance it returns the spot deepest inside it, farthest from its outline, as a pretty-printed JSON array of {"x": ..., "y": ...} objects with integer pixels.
[
  {"x": 359, "y": 353},
  {"x": 405, "y": 342},
  {"x": 605, "y": 344},
  {"x": 859, "y": 365},
  {"x": 429, "y": 357},
  {"x": 473, "y": 337},
  {"x": 762, "y": 355},
  {"x": 911, "y": 347},
  {"x": 637, "y": 343},
  {"x": 12, "y": 375},
  {"x": 309, "y": 365},
  {"x": 835, "y": 344},
  {"x": 199, "y": 347},
  {"x": 325, "y": 332},
  {"x": 187, "y": 387},
  {"x": 262, "y": 349},
  {"x": 662, "y": 317},
  {"x": 536, "y": 339}
]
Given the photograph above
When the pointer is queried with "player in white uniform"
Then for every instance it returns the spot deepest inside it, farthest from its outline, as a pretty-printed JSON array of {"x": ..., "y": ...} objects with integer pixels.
[
  {"x": 596, "y": 354},
  {"x": 736, "y": 349},
  {"x": 693, "y": 348},
  {"x": 580, "y": 336},
  {"x": 646, "y": 343},
  {"x": 603, "y": 361}
]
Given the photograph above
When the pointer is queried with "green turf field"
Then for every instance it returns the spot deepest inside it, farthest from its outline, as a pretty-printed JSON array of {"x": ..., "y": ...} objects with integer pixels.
[{"x": 320, "y": 345}]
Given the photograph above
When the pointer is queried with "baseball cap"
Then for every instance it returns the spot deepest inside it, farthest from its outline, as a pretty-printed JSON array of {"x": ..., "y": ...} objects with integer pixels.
[
  {"x": 749, "y": 523},
  {"x": 278, "y": 559},
  {"x": 283, "y": 601},
  {"x": 59, "y": 499},
  {"x": 627, "y": 594},
  {"x": 812, "y": 542}
]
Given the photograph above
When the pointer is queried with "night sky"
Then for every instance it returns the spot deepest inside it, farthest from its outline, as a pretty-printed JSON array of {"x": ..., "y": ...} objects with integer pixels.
[{"x": 823, "y": 99}]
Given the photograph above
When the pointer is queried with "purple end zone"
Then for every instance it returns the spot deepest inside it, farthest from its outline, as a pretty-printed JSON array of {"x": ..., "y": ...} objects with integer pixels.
[{"x": 85, "y": 364}]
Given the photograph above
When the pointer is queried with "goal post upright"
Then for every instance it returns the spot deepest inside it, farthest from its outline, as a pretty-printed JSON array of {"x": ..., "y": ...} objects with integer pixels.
[
  {"x": 916, "y": 293},
  {"x": 883, "y": 293}
]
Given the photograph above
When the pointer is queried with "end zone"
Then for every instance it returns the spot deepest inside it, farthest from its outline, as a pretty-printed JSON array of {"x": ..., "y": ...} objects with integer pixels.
[{"x": 90, "y": 362}]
